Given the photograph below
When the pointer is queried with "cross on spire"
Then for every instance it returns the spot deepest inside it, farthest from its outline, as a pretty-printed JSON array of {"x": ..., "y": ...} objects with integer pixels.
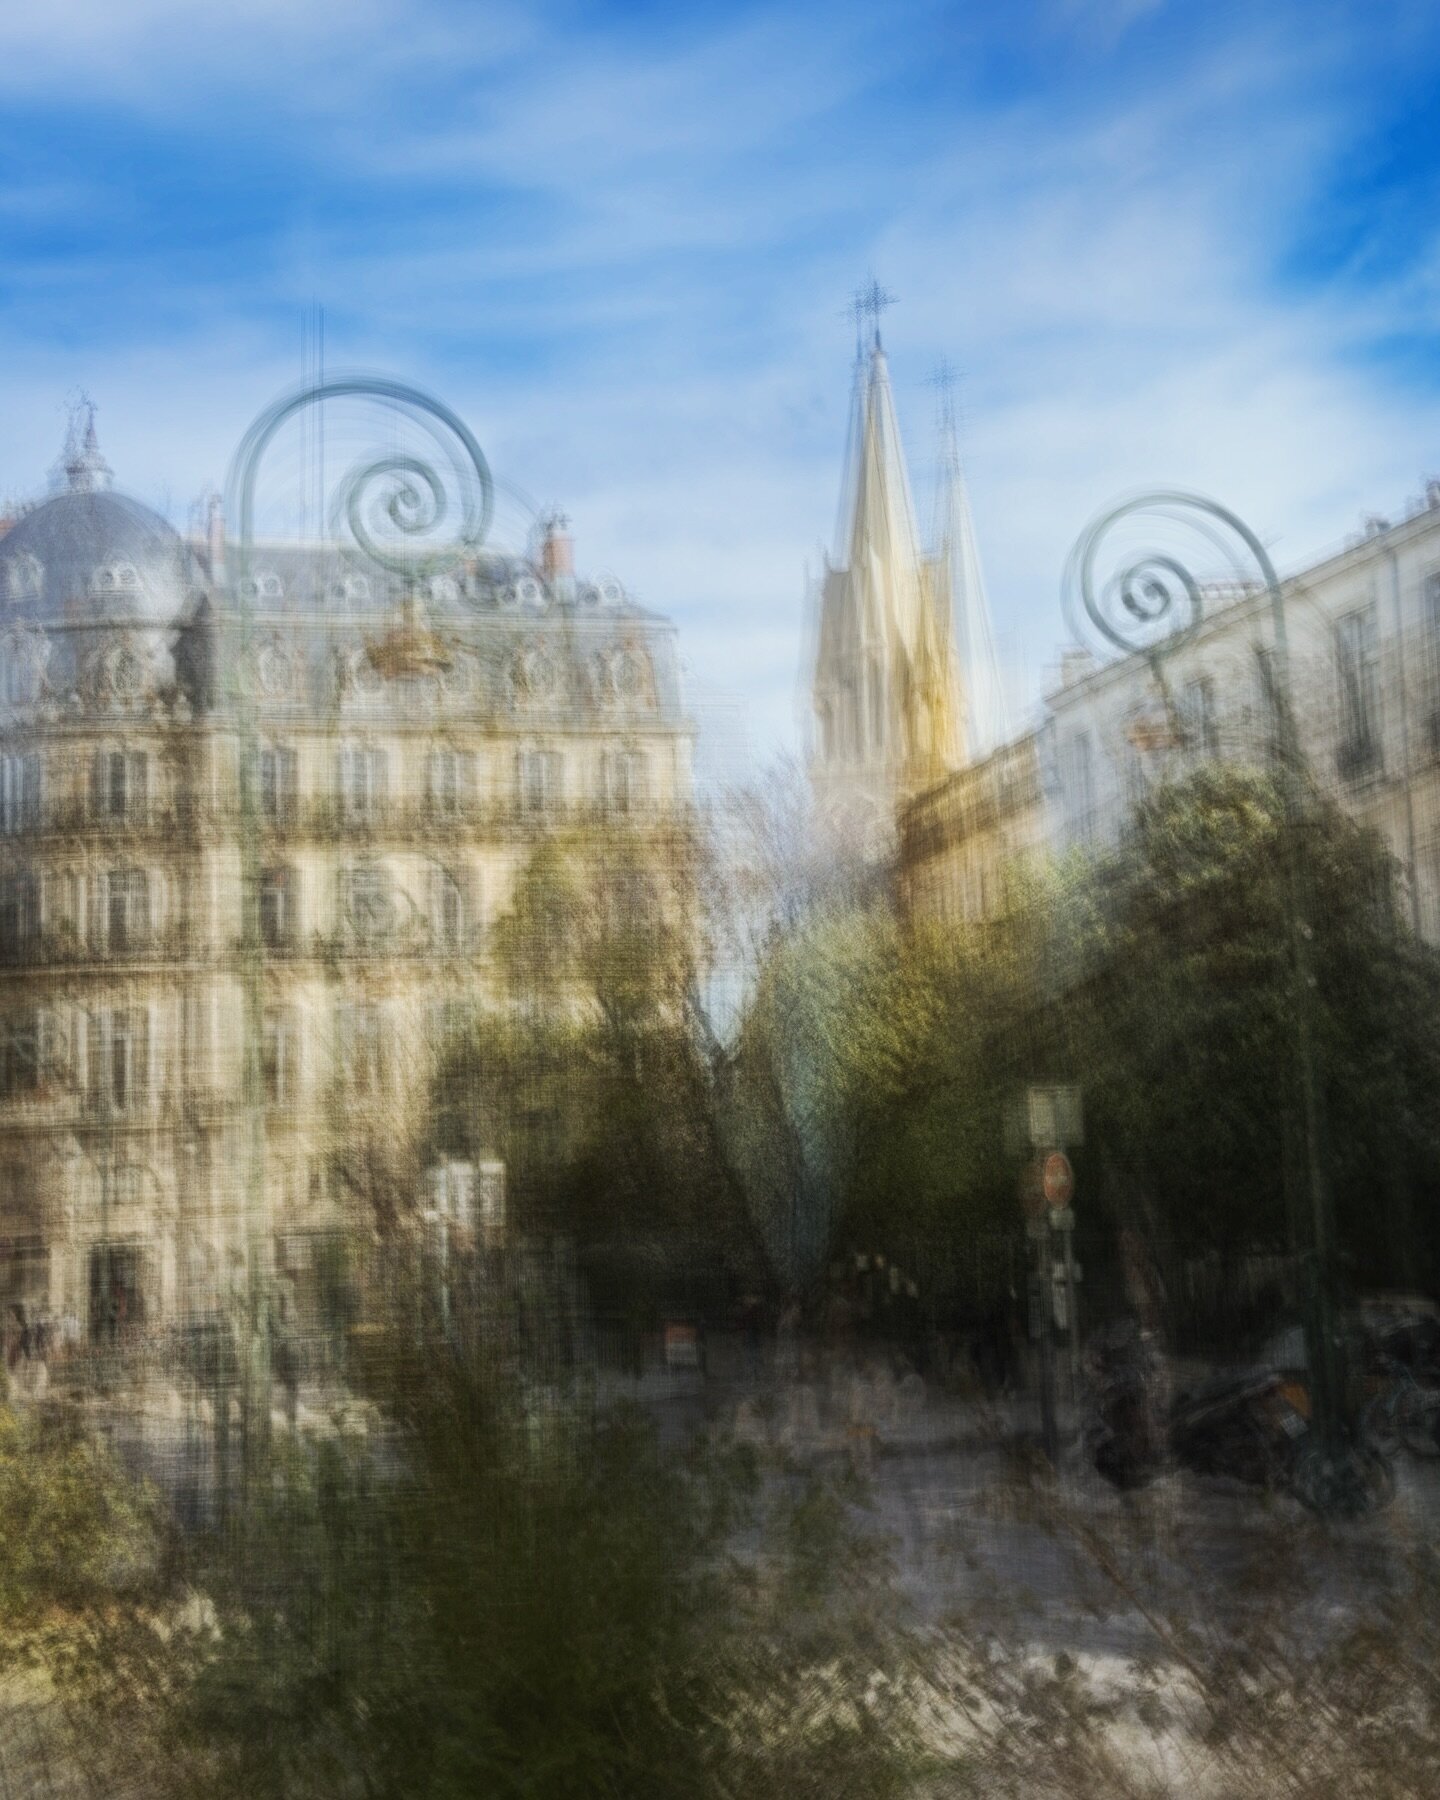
[
  {"x": 869, "y": 302},
  {"x": 945, "y": 379}
]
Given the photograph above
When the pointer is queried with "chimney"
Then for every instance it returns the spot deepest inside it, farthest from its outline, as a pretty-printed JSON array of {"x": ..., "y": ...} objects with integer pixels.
[
  {"x": 1075, "y": 665},
  {"x": 1432, "y": 495},
  {"x": 557, "y": 550}
]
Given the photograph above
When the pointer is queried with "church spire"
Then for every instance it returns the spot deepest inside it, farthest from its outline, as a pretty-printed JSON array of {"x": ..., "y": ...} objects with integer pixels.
[
  {"x": 881, "y": 670},
  {"x": 961, "y": 587}
]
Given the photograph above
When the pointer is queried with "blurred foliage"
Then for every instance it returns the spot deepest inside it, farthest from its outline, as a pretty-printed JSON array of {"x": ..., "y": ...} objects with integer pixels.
[
  {"x": 865, "y": 1097},
  {"x": 512, "y": 1595},
  {"x": 74, "y": 1531},
  {"x": 593, "y": 1081}
]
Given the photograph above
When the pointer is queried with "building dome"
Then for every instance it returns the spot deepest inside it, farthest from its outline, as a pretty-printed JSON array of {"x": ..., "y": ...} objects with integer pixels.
[{"x": 91, "y": 556}]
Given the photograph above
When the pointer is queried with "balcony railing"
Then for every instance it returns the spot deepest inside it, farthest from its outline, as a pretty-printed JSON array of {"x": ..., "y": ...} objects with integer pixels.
[
  {"x": 328, "y": 820},
  {"x": 66, "y": 948}
]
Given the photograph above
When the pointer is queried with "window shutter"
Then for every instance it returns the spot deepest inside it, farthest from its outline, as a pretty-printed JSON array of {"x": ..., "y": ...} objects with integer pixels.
[
  {"x": 465, "y": 876},
  {"x": 98, "y": 912},
  {"x": 34, "y": 799},
  {"x": 96, "y": 1035},
  {"x": 156, "y": 1039},
  {"x": 47, "y": 1044}
]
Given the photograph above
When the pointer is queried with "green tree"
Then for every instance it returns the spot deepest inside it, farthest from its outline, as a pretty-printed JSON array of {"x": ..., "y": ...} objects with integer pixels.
[{"x": 1178, "y": 1005}]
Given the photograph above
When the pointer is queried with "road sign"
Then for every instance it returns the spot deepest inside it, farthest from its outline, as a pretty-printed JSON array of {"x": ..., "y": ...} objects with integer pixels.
[
  {"x": 1062, "y": 1218},
  {"x": 1043, "y": 1116},
  {"x": 1058, "y": 1180}
]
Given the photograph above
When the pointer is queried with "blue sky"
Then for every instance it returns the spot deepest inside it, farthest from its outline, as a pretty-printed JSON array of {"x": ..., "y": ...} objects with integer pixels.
[{"x": 1179, "y": 244}]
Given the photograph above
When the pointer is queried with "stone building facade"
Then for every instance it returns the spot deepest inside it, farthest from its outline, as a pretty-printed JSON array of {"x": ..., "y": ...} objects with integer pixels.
[
  {"x": 1364, "y": 633},
  {"x": 412, "y": 747}
]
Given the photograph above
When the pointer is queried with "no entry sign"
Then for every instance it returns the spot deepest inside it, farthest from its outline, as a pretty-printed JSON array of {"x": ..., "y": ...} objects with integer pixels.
[{"x": 1059, "y": 1180}]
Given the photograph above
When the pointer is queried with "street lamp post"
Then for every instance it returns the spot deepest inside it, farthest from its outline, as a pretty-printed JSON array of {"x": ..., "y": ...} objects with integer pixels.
[
  {"x": 407, "y": 515},
  {"x": 1152, "y": 606}
]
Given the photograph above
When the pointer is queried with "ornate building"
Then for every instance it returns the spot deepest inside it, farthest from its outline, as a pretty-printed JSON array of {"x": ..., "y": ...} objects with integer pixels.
[
  {"x": 895, "y": 707},
  {"x": 410, "y": 746}
]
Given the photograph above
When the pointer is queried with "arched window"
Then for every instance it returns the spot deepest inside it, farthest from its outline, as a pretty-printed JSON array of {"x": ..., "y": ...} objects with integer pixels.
[{"x": 367, "y": 901}]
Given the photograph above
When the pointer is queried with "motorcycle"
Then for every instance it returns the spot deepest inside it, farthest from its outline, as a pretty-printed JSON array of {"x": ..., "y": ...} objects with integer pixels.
[
  {"x": 1246, "y": 1425},
  {"x": 1255, "y": 1427}
]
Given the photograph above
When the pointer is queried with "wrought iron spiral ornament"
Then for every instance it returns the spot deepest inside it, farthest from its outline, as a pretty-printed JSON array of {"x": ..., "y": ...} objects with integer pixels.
[
  {"x": 1153, "y": 602},
  {"x": 409, "y": 514}
]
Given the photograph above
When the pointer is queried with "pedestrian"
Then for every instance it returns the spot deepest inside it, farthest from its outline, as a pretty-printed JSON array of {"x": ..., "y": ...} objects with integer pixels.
[
  {"x": 787, "y": 1340},
  {"x": 287, "y": 1373},
  {"x": 750, "y": 1331}
]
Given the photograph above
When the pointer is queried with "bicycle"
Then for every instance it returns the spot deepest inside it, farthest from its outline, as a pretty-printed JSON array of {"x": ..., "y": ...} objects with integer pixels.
[{"x": 1403, "y": 1412}]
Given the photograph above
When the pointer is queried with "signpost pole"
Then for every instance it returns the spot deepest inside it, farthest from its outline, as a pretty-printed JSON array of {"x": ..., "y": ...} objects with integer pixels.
[
  {"x": 1072, "y": 1317},
  {"x": 1050, "y": 1118},
  {"x": 1049, "y": 1433}
]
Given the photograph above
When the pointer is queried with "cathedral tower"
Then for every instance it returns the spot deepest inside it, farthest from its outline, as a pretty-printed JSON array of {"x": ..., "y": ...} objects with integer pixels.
[{"x": 888, "y": 689}]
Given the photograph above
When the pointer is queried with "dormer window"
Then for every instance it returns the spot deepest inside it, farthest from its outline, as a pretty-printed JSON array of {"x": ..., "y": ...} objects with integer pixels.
[
  {"x": 19, "y": 678},
  {"x": 116, "y": 578},
  {"x": 264, "y": 584},
  {"x": 22, "y": 578},
  {"x": 351, "y": 589},
  {"x": 532, "y": 675}
]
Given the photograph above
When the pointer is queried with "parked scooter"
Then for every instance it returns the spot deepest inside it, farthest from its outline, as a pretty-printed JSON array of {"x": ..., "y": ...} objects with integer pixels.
[{"x": 1126, "y": 1437}]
